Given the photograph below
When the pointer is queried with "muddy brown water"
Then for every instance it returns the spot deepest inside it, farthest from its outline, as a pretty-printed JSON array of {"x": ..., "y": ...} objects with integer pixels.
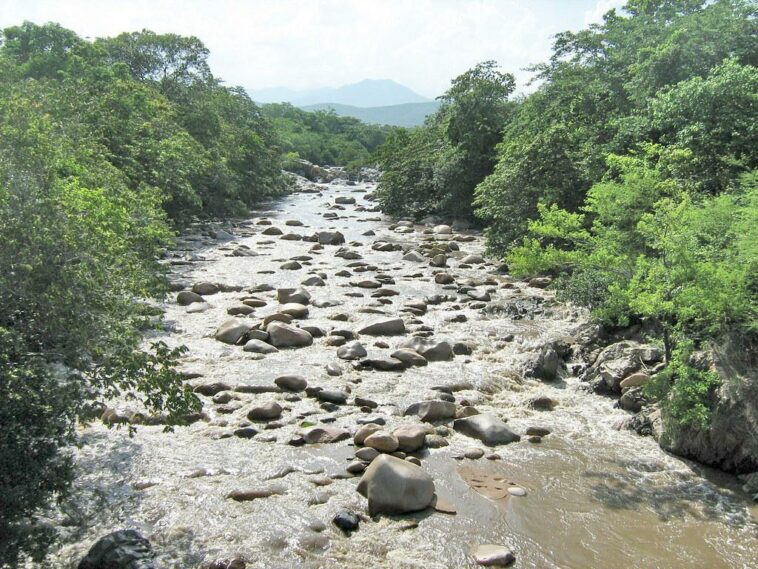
[{"x": 597, "y": 497}]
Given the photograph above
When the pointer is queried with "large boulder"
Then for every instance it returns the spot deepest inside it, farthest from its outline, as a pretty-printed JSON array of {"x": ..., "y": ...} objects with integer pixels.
[
  {"x": 487, "y": 428},
  {"x": 330, "y": 238},
  {"x": 232, "y": 331},
  {"x": 432, "y": 350},
  {"x": 284, "y": 335},
  {"x": 122, "y": 549},
  {"x": 433, "y": 410},
  {"x": 383, "y": 327},
  {"x": 395, "y": 486},
  {"x": 547, "y": 365}
]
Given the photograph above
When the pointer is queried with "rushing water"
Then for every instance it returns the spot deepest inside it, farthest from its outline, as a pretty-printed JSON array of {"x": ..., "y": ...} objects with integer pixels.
[{"x": 598, "y": 497}]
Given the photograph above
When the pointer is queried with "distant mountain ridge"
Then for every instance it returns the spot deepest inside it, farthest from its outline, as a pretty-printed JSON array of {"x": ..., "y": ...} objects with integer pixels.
[
  {"x": 405, "y": 115},
  {"x": 364, "y": 94}
]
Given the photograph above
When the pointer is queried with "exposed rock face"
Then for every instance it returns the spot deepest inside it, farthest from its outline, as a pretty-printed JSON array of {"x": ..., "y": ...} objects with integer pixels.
[
  {"x": 731, "y": 441},
  {"x": 487, "y": 428},
  {"x": 122, "y": 549},
  {"x": 395, "y": 486},
  {"x": 617, "y": 362}
]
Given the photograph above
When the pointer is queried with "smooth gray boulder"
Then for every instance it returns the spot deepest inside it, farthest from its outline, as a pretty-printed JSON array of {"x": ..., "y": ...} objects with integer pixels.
[
  {"x": 383, "y": 363},
  {"x": 291, "y": 382},
  {"x": 383, "y": 327},
  {"x": 284, "y": 335},
  {"x": 433, "y": 410},
  {"x": 330, "y": 238},
  {"x": 433, "y": 350},
  {"x": 232, "y": 331},
  {"x": 352, "y": 351},
  {"x": 487, "y": 428},
  {"x": 395, "y": 486},
  {"x": 294, "y": 309}
]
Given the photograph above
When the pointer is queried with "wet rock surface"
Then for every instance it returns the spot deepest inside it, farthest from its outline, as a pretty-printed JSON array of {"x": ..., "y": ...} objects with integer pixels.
[{"x": 295, "y": 386}]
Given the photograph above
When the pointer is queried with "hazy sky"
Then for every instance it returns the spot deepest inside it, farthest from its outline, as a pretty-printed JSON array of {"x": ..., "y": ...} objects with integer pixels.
[{"x": 316, "y": 43}]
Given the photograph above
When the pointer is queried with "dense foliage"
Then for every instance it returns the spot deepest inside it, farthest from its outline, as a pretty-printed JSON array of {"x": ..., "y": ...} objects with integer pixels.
[
  {"x": 434, "y": 169},
  {"x": 323, "y": 137},
  {"x": 103, "y": 145},
  {"x": 629, "y": 173}
]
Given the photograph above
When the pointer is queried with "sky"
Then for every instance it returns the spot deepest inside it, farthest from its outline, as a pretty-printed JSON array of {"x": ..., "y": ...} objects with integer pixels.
[{"x": 305, "y": 44}]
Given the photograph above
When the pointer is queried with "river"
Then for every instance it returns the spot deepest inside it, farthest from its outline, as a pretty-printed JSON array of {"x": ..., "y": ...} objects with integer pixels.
[{"x": 597, "y": 496}]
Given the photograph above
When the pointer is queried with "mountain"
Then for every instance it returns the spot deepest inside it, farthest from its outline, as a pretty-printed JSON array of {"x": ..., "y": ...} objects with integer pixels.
[
  {"x": 366, "y": 93},
  {"x": 407, "y": 115}
]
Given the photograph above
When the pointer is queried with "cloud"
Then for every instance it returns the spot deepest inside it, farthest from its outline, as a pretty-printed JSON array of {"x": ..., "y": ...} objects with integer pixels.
[
  {"x": 596, "y": 13},
  {"x": 309, "y": 43}
]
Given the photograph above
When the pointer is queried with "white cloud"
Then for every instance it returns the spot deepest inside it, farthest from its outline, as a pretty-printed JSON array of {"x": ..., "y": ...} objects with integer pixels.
[
  {"x": 307, "y": 43},
  {"x": 596, "y": 13}
]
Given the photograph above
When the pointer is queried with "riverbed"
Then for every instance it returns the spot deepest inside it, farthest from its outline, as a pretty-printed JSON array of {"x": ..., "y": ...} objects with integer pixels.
[{"x": 597, "y": 495}]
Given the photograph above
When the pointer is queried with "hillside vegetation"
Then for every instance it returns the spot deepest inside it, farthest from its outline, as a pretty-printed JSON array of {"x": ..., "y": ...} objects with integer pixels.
[
  {"x": 104, "y": 146},
  {"x": 407, "y": 115},
  {"x": 630, "y": 174},
  {"x": 323, "y": 137}
]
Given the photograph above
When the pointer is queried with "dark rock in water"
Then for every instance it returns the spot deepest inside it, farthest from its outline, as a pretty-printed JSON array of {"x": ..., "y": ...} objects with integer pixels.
[
  {"x": 234, "y": 563},
  {"x": 487, "y": 428},
  {"x": 352, "y": 351},
  {"x": 547, "y": 365},
  {"x": 330, "y": 238},
  {"x": 433, "y": 410},
  {"x": 122, "y": 549},
  {"x": 187, "y": 297},
  {"x": 633, "y": 400},
  {"x": 346, "y": 521},
  {"x": 383, "y": 363}
]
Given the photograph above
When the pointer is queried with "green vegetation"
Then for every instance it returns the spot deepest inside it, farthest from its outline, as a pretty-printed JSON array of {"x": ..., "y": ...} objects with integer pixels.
[
  {"x": 323, "y": 138},
  {"x": 630, "y": 174},
  {"x": 434, "y": 169},
  {"x": 104, "y": 146}
]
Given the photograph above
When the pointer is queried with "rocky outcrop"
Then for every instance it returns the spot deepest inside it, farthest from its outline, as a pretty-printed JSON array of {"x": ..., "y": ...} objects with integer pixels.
[
  {"x": 122, "y": 549},
  {"x": 617, "y": 362},
  {"x": 731, "y": 441}
]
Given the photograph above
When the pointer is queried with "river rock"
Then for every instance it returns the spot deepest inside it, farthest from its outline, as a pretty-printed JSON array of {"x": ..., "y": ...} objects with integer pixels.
[
  {"x": 347, "y": 521},
  {"x": 381, "y": 441},
  {"x": 294, "y": 309},
  {"x": 291, "y": 382},
  {"x": 365, "y": 431},
  {"x": 323, "y": 434},
  {"x": 472, "y": 260},
  {"x": 487, "y": 428},
  {"x": 286, "y": 336},
  {"x": 547, "y": 365},
  {"x": 383, "y": 363},
  {"x": 352, "y": 351},
  {"x": 330, "y": 238},
  {"x": 395, "y": 486},
  {"x": 232, "y": 331},
  {"x": 122, "y": 549},
  {"x": 296, "y": 295},
  {"x": 432, "y": 350},
  {"x": 187, "y": 297},
  {"x": 266, "y": 412},
  {"x": 444, "y": 278},
  {"x": 335, "y": 396},
  {"x": 617, "y": 362},
  {"x": 383, "y": 327},
  {"x": 490, "y": 555},
  {"x": 433, "y": 410},
  {"x": 635, "y": 380},
  {"x": 410, "y": 438},
  {"x": 443, "y": 230},
  {"x": 366, "y": 454},
  {"x": 259, "y": 347},
  {"x": 414, "y": 257},
  {"x": 409, "y": 357},
  {"x": 205, "y": 288}
]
